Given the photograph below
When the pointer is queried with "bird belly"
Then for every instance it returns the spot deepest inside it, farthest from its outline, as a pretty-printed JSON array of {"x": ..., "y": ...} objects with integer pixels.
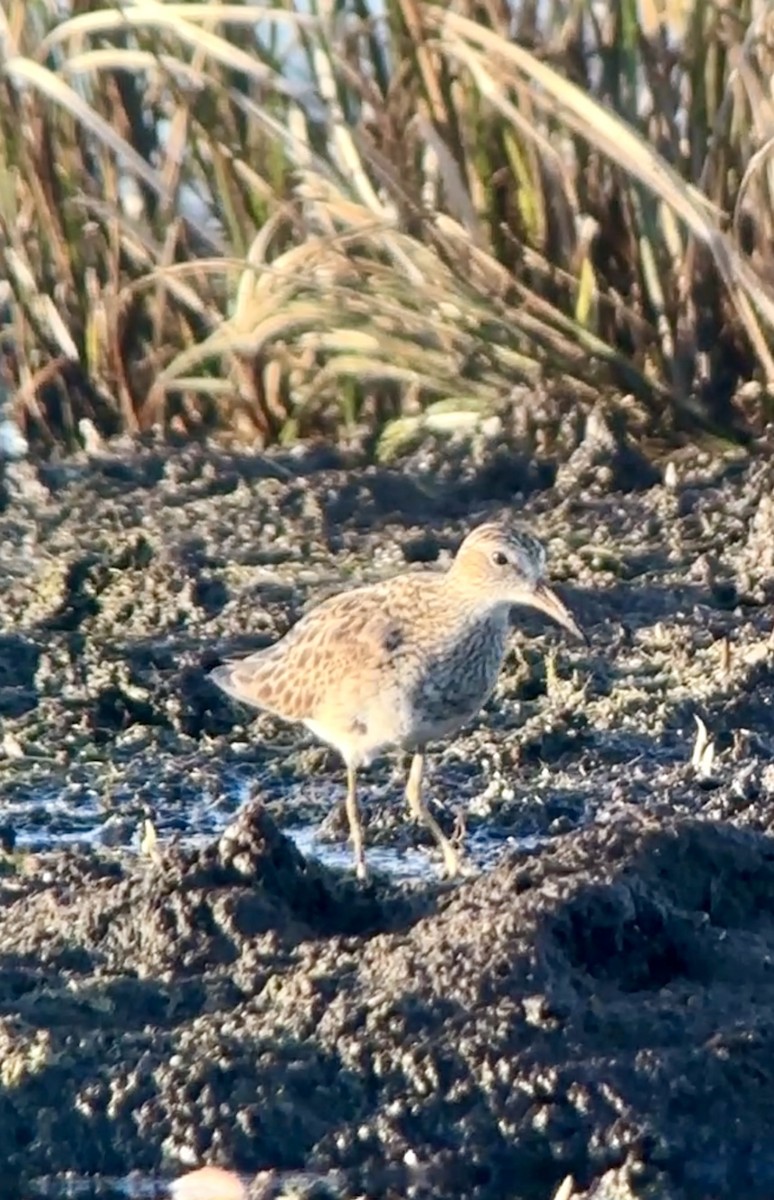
[{"x": 362, "y": 731}]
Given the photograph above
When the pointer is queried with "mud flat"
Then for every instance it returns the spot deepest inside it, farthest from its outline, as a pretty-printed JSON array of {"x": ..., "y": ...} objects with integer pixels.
[{"x": 598, "y": 1003}]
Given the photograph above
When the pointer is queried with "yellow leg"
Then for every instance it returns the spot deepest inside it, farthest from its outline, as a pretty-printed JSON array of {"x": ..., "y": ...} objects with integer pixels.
[
  {"x": 355, "y": 828},
  {"x": 419, "y": 810}
]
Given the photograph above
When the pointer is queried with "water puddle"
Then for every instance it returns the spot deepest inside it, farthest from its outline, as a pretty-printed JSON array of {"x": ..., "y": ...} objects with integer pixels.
[
  {"x": 482, "y": 851},
  {"x": 53, "y": 819},
  {"x": 206, "y": 1183},
  {"x": 59, "y": 819}
]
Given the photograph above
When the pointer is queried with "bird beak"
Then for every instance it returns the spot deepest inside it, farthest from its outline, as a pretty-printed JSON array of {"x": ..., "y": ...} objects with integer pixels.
[{"x": 547, "y": 601}]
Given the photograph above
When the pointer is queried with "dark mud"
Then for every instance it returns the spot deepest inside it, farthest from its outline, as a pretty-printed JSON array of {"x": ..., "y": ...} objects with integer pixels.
[{"x": 598, "y": 1006}]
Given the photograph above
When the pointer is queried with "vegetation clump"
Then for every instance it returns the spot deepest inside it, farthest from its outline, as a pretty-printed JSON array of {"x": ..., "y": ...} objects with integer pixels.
[{"x": 367, "y": 217}]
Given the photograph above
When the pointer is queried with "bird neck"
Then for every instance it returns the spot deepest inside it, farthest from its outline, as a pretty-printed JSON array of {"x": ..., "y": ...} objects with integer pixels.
[{"x": 467, "y": 597}]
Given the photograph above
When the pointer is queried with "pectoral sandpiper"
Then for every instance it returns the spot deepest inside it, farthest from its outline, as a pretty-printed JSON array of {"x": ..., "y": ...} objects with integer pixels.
[{"x": 401, "y": 663}]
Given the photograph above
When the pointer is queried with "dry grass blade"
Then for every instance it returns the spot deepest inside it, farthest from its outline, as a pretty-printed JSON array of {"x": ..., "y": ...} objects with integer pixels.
[
  {"x": 628, "y": 149},
  {"x": 23, "y": 71},
  {"x": 149, "y": 14},
  {"x": 183, "y": 20},
  {"x": 114, "y": 58}
]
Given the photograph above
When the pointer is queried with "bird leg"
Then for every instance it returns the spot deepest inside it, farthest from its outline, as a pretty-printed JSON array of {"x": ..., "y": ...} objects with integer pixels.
[
  {"x": 355, "y": 828},
  {"x": 420, "y": 812}
]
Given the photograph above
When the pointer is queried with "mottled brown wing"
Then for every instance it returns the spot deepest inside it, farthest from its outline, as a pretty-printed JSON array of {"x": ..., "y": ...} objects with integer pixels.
[{"x": 295, "y": 678}]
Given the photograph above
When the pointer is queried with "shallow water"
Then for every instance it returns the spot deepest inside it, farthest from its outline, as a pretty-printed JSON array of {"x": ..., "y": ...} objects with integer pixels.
[
  {"x": 156, "y": 1187},
  {"x": 56, "y": 819},
  {"x": 53, "y": 819},
  {"x": 482, "y": 851}
]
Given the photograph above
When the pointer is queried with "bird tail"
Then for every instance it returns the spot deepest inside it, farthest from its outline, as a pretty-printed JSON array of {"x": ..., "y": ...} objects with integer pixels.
[
  {"x": 252, "y": 681},
  {"x": 223, "y": 676}
]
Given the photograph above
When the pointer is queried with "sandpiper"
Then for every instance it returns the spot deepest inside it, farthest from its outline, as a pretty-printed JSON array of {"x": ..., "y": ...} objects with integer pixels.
[{"x": 403, "y": 662}]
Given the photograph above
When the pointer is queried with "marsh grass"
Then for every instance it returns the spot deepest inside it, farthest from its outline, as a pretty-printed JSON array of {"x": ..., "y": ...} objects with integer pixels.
[{"x": 281, "y": 223}]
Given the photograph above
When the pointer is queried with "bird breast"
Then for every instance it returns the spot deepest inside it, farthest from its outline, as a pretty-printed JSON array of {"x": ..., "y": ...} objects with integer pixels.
[{"x": 457, "y": 677}]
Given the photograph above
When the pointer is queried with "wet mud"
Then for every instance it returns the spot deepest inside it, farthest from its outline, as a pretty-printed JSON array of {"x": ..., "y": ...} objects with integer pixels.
[{"x": 180, "y": 985}]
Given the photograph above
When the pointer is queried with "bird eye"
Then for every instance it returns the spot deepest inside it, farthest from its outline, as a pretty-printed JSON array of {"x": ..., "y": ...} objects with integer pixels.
[{"x": 499, "y": 559}]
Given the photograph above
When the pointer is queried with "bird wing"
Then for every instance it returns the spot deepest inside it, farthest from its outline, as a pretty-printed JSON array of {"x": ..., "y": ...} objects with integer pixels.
[{"x": 352, "y": 635}]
